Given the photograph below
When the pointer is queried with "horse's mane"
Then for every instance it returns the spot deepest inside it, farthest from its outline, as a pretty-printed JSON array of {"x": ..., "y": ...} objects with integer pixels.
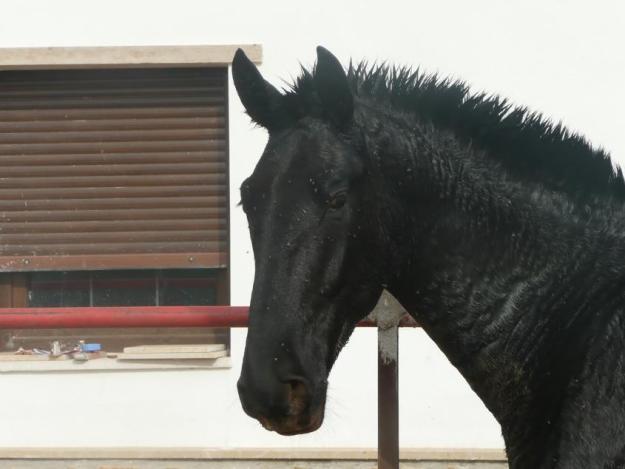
[{"x": 526, "y": 143}]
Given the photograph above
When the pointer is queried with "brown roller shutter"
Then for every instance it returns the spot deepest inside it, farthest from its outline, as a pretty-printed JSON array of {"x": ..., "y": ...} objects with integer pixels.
[{"x": 103, "y": 169}]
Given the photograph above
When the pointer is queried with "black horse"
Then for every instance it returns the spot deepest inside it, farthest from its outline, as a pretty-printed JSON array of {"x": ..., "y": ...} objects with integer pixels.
[{"x": 499, "y": 231}]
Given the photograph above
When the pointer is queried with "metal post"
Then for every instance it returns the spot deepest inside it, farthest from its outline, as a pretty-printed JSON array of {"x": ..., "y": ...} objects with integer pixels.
[
  {"x": 388, "y": 316},
  {"x": 388, "y": 399}
]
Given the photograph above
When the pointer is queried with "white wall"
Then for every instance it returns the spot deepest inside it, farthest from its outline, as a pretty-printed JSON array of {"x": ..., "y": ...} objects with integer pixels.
[{"x": 562, "y": 57}]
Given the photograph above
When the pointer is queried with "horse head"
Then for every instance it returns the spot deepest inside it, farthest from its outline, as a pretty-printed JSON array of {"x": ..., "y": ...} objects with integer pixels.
[{"x": 312, "y": 211}]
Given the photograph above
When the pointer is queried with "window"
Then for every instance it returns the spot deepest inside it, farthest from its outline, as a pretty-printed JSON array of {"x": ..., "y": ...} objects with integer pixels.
[{"x": 114, "y": 188}]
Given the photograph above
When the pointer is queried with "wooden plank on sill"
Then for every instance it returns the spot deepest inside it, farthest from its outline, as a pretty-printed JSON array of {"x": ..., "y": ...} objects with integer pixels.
[
  {"x": 172, "y": 356},
  {"x": 175, "y": 348}
]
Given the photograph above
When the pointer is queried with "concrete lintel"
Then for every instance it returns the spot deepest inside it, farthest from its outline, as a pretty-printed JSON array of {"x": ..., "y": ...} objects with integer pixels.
[{"x": 33, "y": 58}]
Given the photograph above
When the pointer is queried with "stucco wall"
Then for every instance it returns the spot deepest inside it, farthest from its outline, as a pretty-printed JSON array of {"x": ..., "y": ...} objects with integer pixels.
[{"x": 564, "y": 58}]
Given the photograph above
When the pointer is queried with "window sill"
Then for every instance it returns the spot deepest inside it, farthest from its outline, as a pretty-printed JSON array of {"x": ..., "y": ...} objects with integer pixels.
[{"x": 112, "y": 365}]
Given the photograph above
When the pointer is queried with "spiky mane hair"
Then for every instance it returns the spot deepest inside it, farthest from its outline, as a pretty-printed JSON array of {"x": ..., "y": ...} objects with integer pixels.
[{"x": 526, "y": 143}]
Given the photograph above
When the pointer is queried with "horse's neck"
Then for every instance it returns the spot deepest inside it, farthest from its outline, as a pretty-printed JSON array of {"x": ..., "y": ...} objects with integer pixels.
[{"x": 486, "y": 273}]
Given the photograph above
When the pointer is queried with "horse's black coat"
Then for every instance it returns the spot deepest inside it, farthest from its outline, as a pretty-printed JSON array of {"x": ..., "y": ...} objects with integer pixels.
[{"x": 499, "y": 231}]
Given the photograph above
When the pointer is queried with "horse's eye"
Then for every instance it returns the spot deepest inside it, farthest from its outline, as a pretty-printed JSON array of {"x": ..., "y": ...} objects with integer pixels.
[{"x": 337, "y": 200}]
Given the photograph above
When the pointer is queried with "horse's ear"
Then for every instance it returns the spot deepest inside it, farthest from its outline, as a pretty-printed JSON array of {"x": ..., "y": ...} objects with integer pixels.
[
  {"x": 333, "y": 89},
  {"x": 260, "y": 99}
]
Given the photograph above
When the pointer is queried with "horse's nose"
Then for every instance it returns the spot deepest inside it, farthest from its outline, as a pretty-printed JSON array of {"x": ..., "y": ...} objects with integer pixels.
[
  {"x": 283, "y": 387},
  {"x": 272, "y": 398}
]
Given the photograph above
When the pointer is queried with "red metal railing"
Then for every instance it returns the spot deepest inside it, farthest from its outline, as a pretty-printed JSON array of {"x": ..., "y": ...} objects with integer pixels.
[
  {"x": 123, "y": 316},
  {"x": 135, "y": 316},
  {"x": 220, "y": 316}
]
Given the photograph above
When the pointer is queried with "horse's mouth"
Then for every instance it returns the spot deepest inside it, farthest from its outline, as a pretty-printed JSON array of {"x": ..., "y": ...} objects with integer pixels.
[{"x": 294, "y": 425}]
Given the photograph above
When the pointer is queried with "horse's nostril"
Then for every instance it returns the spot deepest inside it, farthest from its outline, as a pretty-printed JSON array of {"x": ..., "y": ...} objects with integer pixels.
[{"x": 298, "y": 395}]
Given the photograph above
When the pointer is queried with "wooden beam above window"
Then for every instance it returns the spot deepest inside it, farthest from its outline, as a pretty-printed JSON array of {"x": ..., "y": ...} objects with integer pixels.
[{"x": 31, "y": 58}]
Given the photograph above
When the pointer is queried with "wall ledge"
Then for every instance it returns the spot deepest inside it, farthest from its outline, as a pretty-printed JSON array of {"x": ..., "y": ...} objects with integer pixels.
[
  {"x": 33, "y": 58},
  {"x": 343, "y": 454}
]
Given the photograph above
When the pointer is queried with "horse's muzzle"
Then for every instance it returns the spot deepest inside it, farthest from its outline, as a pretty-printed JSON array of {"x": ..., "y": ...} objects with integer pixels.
[
  {"x": 294, "y": 425},
  {"x": 289, "y": 409}
]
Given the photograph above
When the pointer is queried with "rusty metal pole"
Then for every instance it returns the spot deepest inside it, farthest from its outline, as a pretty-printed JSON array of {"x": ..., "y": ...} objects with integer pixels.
[
  {"x": 388, "y": 314},
  {"x": 388, "y": 399}
]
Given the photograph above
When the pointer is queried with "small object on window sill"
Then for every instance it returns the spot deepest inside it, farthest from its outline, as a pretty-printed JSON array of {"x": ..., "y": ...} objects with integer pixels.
[
  {"x": 90, "y": 347},
  {"x": 36, "y": 354},
  {"x": 86, "y": 356},
  {"x": 56, "y": 349}
]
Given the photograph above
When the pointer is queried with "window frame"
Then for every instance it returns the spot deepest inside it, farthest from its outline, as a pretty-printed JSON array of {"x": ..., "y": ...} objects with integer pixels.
[{"x": 14, "y": 285}]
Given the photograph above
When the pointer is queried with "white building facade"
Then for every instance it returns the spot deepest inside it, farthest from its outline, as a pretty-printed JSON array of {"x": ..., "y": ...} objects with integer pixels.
[{"x": 563, "y": 59}]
